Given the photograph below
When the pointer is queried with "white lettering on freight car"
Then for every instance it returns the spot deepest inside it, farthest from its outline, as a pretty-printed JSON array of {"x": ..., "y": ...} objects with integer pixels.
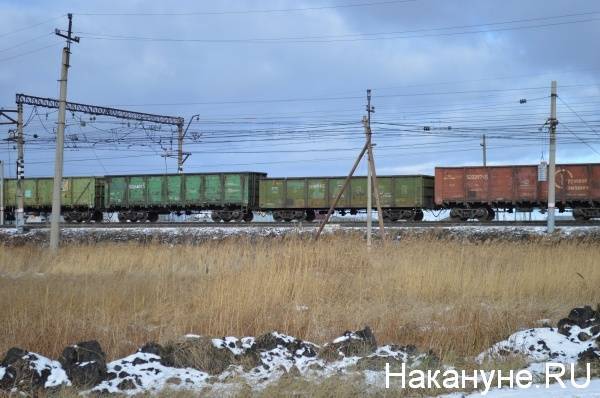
[{"x": 477, "y": 177}]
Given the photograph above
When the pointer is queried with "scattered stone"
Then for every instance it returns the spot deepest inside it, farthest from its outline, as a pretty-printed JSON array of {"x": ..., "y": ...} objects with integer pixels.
[
  {"x": 85, "y": 363},
  {"x": 359, "y": 343},
  {"x": 199, "y": 353},
  {"x": 575, "y": 339},
  {"x": 583, "y": 336},
  {"x": 126, "y": 384},
  {"x": 589, "y": 355},
  {"x": 584, "y": 317},
  {"x": 13, "y": 354},
  {"x": 152, "y": 348},
  {"x": 199, "y": 362},
  {"x": 28, "y": 372},
  {"x": 564, "y": 326}
]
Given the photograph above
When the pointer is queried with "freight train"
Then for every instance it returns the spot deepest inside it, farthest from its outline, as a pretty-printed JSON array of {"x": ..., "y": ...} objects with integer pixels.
[{"x": 467, "y": 192}]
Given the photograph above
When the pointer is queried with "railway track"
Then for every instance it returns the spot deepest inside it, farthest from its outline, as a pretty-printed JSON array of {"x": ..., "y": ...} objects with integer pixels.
[{"x": 349, "y": 224}]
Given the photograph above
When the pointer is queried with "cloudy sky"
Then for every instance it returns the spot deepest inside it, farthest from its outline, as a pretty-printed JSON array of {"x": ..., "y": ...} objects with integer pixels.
[{"x": 280, "y": 86}]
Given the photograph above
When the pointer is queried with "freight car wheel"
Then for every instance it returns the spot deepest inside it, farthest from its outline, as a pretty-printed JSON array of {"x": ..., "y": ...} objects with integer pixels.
[
  {"x": 215, "y": 216},
  {"x": 310, "y": 215},
  {"x": 97, "y": 216},
  {"x": 67, "y": 217},
  {"x": 579, "y": 215},
  {"x": 485, "y": 214},
  {"x": 226, "y": 216},
  {"x": 237, "y": 215},
  {"x": 418, "y": 216},
  {"x": 153, "y": 217},
  {"x": 248, "y": 216},
  {"x": 76, "y": 216},
  {"x": 122, "y": 217}
]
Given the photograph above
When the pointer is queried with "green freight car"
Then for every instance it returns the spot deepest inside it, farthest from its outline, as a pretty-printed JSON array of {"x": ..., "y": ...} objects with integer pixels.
[
  {"x": 82, "y": 197},
  {"x": 230, "y": 196},
  {"x": 402, "y": 197}
]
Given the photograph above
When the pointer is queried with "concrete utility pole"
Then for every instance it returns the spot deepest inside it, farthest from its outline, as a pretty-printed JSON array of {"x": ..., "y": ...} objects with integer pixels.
[
  {"x": 4, "y": 114},
  {"x": 1, "y": 192},
  {"x": 484, "y": 147},
  {"x": 552, "y": 159},
  {"x": 20, "y": 211},
  {"x": 60, "y": 136},
  {"x": 180, "y": 149}
]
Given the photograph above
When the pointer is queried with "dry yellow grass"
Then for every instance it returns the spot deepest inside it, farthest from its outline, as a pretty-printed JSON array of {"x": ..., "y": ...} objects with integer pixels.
[{"x": 454, "y": 298}]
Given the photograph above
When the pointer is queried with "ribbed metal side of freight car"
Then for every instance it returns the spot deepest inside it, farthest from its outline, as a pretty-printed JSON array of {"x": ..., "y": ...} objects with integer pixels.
[
  {"x": 402, "y": 197},
  {"x": 474, "y": 192},
  {"x": 230, "y": 196},
  {"x": 82, "y": 197}
]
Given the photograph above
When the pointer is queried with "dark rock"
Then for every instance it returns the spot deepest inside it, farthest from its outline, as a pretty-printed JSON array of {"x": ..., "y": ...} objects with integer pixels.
[
  {"x": 267, "y": 342},
  {"x": 152, "y": 348},
  {"x": 584, "y": 316},
  {"x": 12, "y": 355},
  {"x": 139, "y": 361},
  {"x": 583, "y": 336},
  {"x": 270, "y": 341},
  {"x": 126, "y": 384},
  {"x": 85, "y": 364},
  {"x": 564, "y": 326},
  {"x": 589, "y": 355},
  {"x": 198, "y": 354},
  {"x": 23, "y": 372},
  {"x": 359, "y": 343},
  {"x": 173, "y": 380}
]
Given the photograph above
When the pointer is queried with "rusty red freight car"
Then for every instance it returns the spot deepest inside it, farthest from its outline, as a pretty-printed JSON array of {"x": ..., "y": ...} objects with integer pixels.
[{"x": 474, "y": 192}]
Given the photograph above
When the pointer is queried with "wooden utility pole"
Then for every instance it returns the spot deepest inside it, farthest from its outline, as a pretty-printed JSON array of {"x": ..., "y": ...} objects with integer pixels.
[
  {"x": 369, "y": 189},
  {"x": 372, "y": 175},
  {"x": 552, "y": 159},
  {"x": 371, "y": 181},
  {"x": 60, "y": 136}
]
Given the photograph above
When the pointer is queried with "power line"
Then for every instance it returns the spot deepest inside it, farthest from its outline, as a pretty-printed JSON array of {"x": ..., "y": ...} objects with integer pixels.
[
  {"x": 29, "y": 52},
  {"x": 25, "y": 42},
  {"x": 349, "y": 38},
  {"x": 238, "y": 12},
  {"x": 577, "y": 114},
  {"x": 314, "y": 99},
  {"x": 31, "y": 26},
  {"x": 580, "y": 139}
]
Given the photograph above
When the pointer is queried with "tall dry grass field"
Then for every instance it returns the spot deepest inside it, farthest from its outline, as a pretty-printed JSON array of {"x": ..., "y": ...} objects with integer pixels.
[{"x": 453, "y": 297}]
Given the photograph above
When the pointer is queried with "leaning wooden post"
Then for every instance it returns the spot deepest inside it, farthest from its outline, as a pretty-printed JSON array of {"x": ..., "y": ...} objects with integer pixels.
[{"x": 339, "y": 195}]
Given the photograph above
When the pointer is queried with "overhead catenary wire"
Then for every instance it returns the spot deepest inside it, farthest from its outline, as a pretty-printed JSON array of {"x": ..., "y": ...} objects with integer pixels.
[
  {"x": 348, "y": 38},
  {"x": 238, "y": 12}
]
